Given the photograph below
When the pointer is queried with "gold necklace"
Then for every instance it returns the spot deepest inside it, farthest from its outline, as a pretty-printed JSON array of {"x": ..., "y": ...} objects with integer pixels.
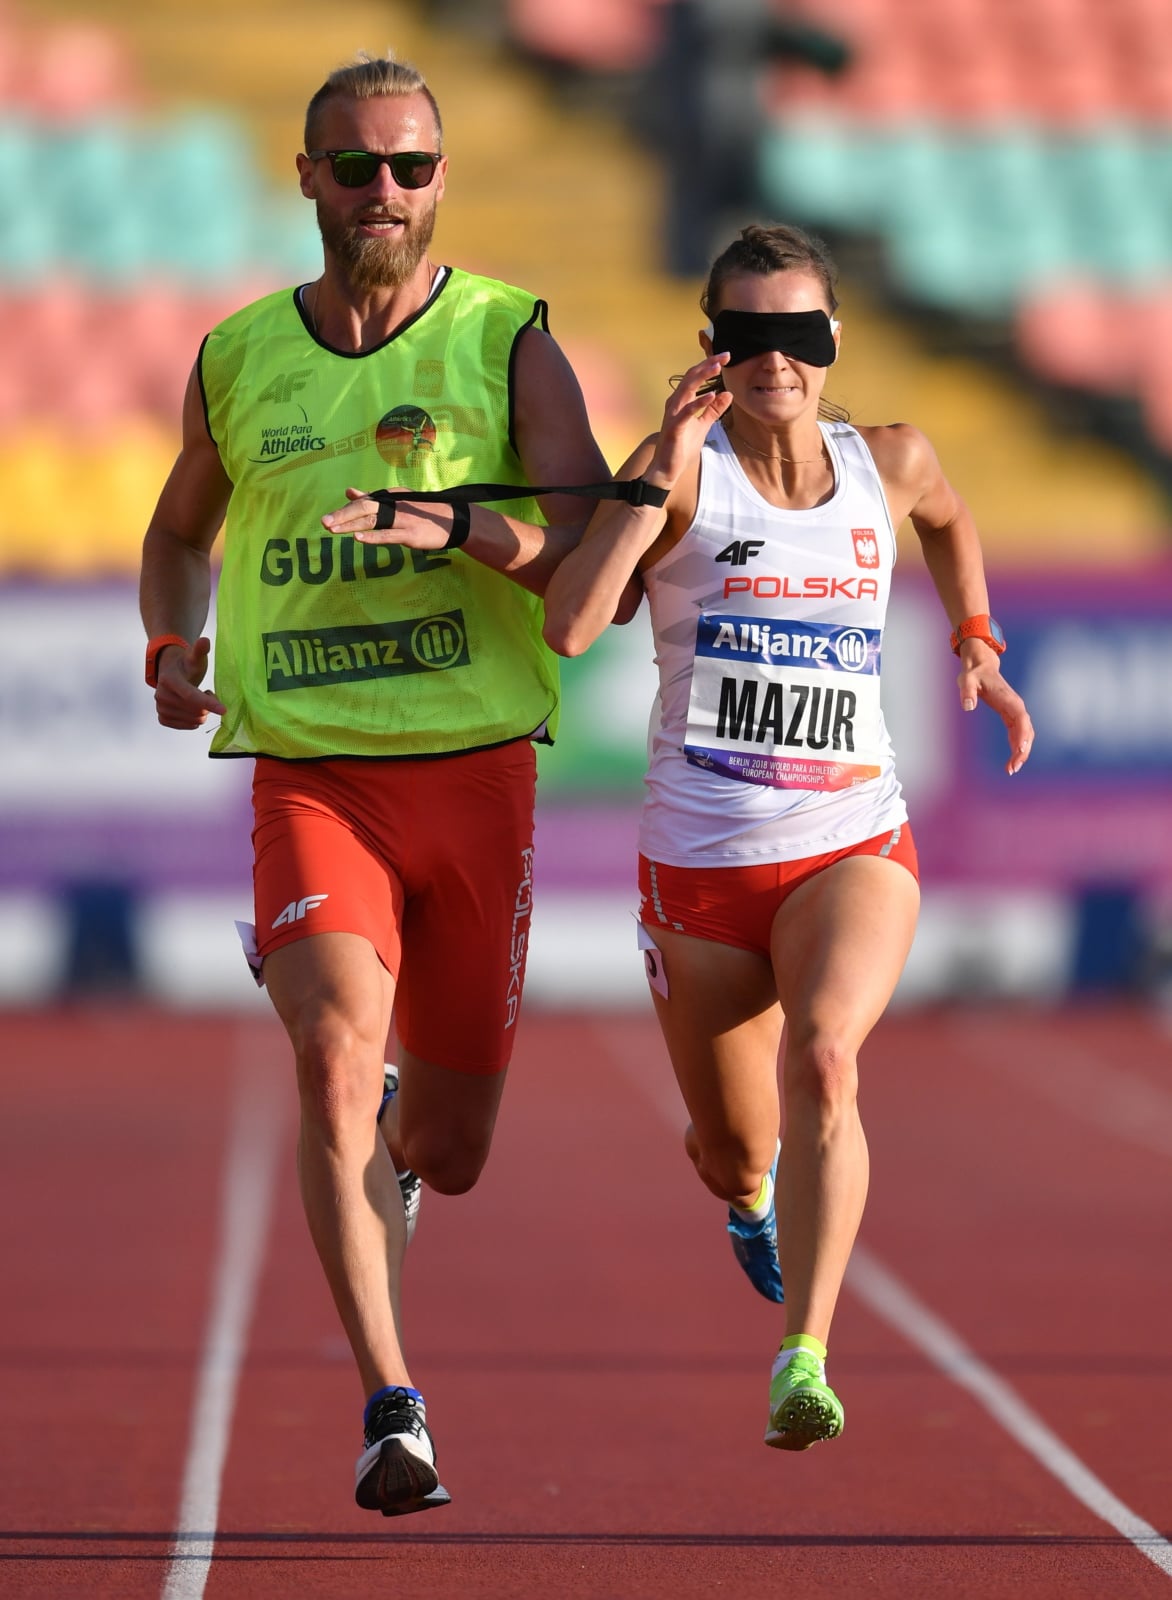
[{"x": 793, "y": 461}]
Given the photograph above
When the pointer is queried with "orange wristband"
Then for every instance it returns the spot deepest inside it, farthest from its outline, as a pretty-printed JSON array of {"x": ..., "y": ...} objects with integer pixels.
[
  {"x": 979, "y": 627},
  {"x": 153, "y": 650}
]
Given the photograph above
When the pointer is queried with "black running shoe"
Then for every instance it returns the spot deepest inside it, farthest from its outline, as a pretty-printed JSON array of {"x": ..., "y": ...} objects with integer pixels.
[{"x": 395, "y": 1474}]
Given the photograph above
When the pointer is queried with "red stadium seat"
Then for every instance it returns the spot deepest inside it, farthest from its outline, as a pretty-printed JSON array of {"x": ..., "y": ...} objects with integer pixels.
[
  {"x": 1083, "y": 336},
  {"x": 980, "y": 88},
  {"x": 1147, "y": 86},
  {"x": 597, "y": 35},
  {"x": 76, "y": 70},
  {"x": 1072, "y": 91},
  {"x": 884, "y": 82}
]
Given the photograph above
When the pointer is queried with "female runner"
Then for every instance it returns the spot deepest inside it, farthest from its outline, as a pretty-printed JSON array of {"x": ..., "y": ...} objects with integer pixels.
[{"x": 778, "y": 877}]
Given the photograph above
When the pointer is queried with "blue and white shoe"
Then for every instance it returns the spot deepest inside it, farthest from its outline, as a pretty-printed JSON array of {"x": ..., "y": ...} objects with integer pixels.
[
  {"x": 396, "y": 1473},
  {"x": 410, "y": 1183},
  {"x": 755, "y": 1245}
]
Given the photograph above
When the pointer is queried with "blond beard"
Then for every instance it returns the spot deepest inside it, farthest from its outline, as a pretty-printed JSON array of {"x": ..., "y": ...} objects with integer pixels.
[{"x": 377, "y": 263}]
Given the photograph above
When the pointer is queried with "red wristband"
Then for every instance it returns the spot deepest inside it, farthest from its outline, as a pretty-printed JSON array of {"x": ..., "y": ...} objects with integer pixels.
[
  {"x": 153, "y": 651},
  {"x": 979, "y": 627}
]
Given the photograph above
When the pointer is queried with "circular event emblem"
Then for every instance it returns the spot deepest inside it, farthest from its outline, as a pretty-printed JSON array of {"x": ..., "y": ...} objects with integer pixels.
[
  {"x": 850, "y": 646},
  {"x": 404, "y": 434},
  {"x": 437, "y": 642}
]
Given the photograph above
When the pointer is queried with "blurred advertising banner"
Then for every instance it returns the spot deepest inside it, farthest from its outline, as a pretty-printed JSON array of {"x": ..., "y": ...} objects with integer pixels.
[
  {"x": 1090, "y": 652},
  {"x": 90, "y": 785}
]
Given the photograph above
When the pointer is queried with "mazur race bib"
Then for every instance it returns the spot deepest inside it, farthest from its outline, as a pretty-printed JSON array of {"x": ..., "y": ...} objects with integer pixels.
[{"x": 790, "y": 705}]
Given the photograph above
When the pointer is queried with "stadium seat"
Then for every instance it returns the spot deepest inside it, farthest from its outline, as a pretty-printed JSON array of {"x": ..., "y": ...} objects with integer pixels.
[
  {"x": 115, "y": 477},
  {"x": 816, "y": 168},
  {"x": 29, "y": 245},
  {"x": 118, "y": 198},
  {"x": 936, "y": 259},
  {"x": 1081, "y": 336},
  {"x": 1148, "y": 88},
  {"x": 883, "y": 84},
  {"x": 595, "y": 35},
  {"x": 977, "y": 89},
  {"x": 76, "y": 71},
  {"x": 32, "y": 468}
]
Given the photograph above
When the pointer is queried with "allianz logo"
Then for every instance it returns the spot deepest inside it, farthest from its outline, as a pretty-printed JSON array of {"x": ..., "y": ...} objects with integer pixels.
[{"x": 846, "y": 648}]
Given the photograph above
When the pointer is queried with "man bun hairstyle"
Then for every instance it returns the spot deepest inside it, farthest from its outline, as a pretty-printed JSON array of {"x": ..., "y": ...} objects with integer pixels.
[{"x": 370, "y": 78}]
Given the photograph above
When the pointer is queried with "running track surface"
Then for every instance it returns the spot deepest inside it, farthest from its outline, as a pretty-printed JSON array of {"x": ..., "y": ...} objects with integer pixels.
[{"x": 595, "y": 1365}]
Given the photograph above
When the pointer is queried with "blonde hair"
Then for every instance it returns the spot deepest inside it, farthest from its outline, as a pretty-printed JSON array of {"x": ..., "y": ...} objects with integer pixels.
[{"x": 370, "y": 78}]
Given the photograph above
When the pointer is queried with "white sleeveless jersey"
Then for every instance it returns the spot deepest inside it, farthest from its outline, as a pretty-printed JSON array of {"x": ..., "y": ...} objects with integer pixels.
[{"x": 767, "y": 740}]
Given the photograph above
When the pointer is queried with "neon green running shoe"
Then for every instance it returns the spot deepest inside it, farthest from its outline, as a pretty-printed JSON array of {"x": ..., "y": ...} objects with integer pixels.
[{"x": 802, "y": 1406}]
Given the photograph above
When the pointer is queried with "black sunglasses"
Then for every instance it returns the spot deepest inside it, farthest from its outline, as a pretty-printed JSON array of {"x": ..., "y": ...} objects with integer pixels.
[{"x": 354, "y": 169}]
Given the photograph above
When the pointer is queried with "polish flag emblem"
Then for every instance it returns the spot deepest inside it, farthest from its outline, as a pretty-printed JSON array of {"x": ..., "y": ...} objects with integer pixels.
[{"x": 866, "y": 547}]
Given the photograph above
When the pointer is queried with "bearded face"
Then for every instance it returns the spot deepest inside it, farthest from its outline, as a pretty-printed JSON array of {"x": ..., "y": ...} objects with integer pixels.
[
  {"x": 380, "y": 233},
  {"x": 372, "y": 260}
]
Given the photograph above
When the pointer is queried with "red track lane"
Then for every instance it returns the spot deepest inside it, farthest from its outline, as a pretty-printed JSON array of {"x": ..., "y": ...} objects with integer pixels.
[{"x": 595, "y": 1365}]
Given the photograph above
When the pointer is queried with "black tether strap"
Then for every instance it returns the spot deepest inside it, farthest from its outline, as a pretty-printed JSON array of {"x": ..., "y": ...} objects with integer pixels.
[{"x": 635, "y": 491}]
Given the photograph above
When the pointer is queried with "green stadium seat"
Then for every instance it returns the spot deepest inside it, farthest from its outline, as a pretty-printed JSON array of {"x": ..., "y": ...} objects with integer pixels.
[
  {"x": 815, "y": 169},
  {"x": 118, "y": 198}
]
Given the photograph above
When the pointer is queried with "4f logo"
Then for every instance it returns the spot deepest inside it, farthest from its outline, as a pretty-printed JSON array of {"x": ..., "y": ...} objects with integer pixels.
[
  {"x": 296, "y": 909},
  {"x": 285, "y": 385},
  {"x": 741, "y": 550},
  {"x": 866, "y": 547}
]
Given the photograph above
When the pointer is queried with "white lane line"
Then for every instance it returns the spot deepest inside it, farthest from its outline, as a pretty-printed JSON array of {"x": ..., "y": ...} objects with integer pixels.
[
  {"x": 895, "y": 1304},
  {"x": 1085, "y": 1086},
  {"x": 256, "y": 1134},
  {"x": 879, "y": 1288}
]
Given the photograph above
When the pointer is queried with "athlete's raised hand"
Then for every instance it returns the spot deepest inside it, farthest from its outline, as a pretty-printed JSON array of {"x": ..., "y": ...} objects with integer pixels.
[{"x": 690, "y": 411}]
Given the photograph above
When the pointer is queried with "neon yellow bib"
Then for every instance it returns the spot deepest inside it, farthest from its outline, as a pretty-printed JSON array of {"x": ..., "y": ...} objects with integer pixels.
[{"x": 326, "y": 647}]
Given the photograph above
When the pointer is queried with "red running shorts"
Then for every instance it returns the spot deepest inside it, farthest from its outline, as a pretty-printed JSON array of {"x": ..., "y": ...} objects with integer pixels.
[
  {"x": 431, "y": 861},
  {"x": 737, "y": 905}
]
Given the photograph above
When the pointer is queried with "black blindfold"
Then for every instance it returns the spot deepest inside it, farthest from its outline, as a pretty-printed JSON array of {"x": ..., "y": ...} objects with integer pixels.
[{"x": 805, "y": 335}]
